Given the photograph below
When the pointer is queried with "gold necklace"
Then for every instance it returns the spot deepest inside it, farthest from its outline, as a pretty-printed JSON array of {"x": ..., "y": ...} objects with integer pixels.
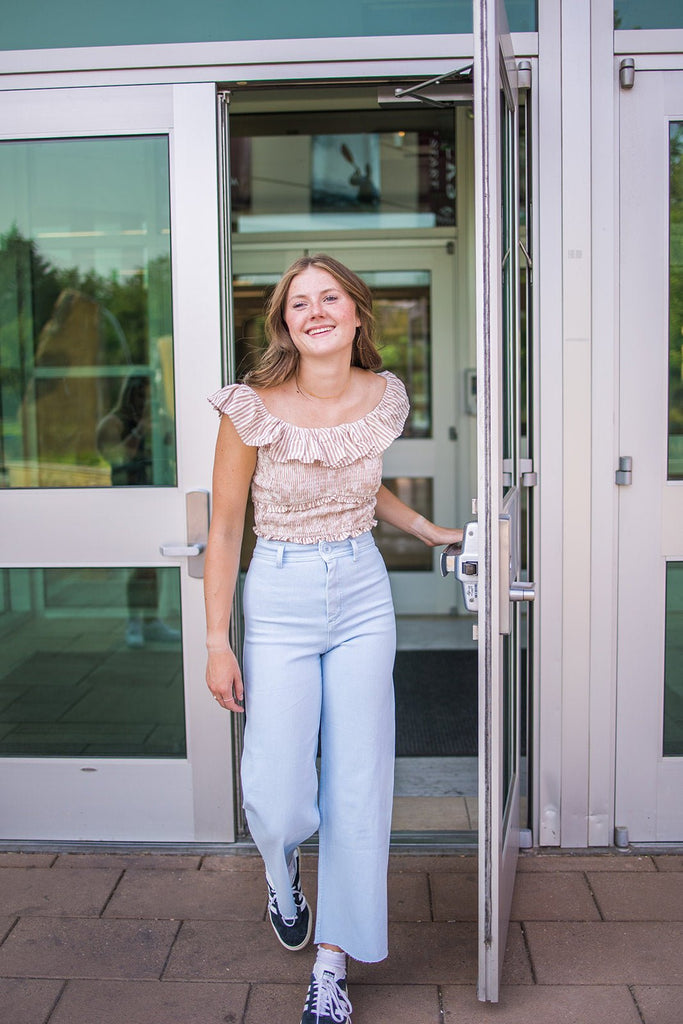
[{"x": 311, "y": 394}]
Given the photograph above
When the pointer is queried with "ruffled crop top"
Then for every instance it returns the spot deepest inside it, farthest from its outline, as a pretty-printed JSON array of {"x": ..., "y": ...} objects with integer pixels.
[{"x": 313, "y": 484}]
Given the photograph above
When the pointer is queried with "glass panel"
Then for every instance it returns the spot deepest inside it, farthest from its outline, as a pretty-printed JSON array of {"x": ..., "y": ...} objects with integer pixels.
[
  {"x": 36, "y": 25},
  {"x": 630, "y": 14},
  {"x": 401, "y": 552},
  {"x": 395, "y": 170},
  {"x": 92, "y": 663},
  {"x": 509, "y": 296},
  {"x": 676, "y": 301},
  {"x": 86, "y": 350},
  {"x": 673, "y": 655}
]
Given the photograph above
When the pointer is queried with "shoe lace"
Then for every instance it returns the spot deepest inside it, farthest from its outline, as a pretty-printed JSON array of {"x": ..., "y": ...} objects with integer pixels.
[
  {"x": 299, "y": 902},
  {"x": 327, "y": 1000},
  {"x": 272, "y": 905}
]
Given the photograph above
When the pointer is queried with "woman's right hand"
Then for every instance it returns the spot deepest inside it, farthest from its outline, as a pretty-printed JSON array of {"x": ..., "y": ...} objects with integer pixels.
[{"x": 224, "y": 679}]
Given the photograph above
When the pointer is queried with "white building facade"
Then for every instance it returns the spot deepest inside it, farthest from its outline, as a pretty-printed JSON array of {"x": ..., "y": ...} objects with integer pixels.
[{"x": 151, "y": 189}]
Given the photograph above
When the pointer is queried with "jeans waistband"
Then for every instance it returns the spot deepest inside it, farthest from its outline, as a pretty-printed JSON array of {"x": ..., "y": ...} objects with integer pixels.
[{"x": 280, "y": 551}]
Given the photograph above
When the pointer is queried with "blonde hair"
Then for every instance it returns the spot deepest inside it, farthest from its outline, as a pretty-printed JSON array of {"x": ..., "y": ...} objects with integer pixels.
[{"x": 280, "y": 360}]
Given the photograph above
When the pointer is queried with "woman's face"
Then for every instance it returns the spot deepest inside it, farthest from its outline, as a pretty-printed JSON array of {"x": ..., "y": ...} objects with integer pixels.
[{"x": 320, "y": 315}]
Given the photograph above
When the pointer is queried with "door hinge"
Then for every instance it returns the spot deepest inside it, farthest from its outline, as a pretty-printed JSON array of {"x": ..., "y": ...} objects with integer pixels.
[
  {"x": 627, "y": 73},
  {"x": 624, "y": 475},
  {"x": 528, "y": 477}
]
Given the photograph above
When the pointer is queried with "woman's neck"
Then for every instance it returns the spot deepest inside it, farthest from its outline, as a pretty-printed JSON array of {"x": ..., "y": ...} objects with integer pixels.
[{"x": 325, "y": 384}]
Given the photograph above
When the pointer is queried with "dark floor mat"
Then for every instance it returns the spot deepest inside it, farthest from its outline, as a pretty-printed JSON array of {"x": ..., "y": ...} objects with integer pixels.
[{"x": 436, "y": 703}]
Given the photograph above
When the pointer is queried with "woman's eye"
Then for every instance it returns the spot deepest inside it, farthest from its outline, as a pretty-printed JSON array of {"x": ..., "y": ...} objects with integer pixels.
[
  {"x": 297, "y": 305},
  {"x": 330, "y": 298}
]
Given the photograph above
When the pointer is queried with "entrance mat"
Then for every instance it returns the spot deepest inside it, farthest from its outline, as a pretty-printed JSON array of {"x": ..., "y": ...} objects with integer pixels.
[{"x": 436, "y": 703}]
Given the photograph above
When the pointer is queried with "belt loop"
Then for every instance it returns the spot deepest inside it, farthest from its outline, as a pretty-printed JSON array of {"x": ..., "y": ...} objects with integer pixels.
[
  {"x": 279, "y": 554},
  {"x": 354, "y": 548}
]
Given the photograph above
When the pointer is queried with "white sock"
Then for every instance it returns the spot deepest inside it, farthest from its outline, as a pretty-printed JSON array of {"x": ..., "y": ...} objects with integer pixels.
[{"x": 331, "y": 960}]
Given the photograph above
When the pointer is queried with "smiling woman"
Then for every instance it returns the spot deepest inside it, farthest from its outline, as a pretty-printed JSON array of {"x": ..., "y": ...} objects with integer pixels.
[{"x": 320, "y": 632}]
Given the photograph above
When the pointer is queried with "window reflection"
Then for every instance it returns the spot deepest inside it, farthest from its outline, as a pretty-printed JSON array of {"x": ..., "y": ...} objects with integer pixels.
[
  {"x": 400, "y": 551},
  {"x": 673, "y": 648},
  {"x": 307, "y": 172},
  {"x": 85, "y": 313},
  {"x": 92, "y": 663},
  {"x": 676, "y": 302}
]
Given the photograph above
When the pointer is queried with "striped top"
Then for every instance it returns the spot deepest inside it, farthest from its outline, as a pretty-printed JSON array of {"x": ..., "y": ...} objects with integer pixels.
[{"x": 312, "y": 484}]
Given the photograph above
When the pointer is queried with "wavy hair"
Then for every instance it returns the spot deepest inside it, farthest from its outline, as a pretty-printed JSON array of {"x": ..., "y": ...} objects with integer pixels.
[{"x": 280, "y": 360}]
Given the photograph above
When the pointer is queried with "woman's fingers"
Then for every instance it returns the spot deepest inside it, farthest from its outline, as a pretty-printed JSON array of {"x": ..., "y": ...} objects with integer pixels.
[{"x": 224, "y": 679}]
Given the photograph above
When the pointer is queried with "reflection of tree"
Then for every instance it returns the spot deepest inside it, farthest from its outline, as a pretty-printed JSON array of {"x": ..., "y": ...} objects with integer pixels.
[
  {"x": 30, "y": 286},
  {"x": 676, "y": 282},
  {"x": 57, "y": 327}
]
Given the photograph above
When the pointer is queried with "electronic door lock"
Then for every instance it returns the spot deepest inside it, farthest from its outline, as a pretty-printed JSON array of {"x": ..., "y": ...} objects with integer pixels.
[{"x": 463, "y": 560}]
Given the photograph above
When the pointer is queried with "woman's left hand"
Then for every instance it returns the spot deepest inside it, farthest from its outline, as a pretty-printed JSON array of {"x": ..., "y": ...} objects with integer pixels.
[{"x": 442, "y": 536}]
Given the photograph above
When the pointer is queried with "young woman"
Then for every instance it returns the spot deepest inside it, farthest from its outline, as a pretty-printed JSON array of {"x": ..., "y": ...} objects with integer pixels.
[{"x": 306, "y": 432}]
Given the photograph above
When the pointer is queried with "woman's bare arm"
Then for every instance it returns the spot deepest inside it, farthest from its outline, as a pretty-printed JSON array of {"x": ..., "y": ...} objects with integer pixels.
[
  {"x": 392, "y": 510},
  {"x": 234, "y": 466}
]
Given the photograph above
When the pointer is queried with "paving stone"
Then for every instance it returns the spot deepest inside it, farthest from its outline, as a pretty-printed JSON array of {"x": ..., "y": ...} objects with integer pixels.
[
  {"x": 240, "y": 861},
  {"x": 431, "y": 813},
  {"x": 454, "y": 897},
  {"x": 647, "y": 897},
  {"x": 660, "y": 1004},
  {"x": 27, "y": 1001},
  {"x": 82, "y": 948},
  {"x": 26, "y": 860},
  {"x": 387, "y": 1004},
  {"x": 199, "y": 895},
  {"x": 668, "y": 862},
  {"x": 409, "y": 898},
  {"x": 606, "y": 952},
  {"x": 49, "y": 893},
  {"x": 220, "y": 951},
  {"x": 432, "y": 863},
  {"x": 583, "y": 862},
  {"x": 558, "y": 896},
  {"x": 382, "y": 1004},
  {"x": 130, "y": 861},
  {"x": 520, "y": 1004},
  {"x": 421, "y": 953},
  {"x": 150, "y": 1002},
  {"x": 276, "y": 1004}
]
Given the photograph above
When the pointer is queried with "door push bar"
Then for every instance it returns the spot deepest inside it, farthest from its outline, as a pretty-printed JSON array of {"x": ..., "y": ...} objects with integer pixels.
[
  {"x": 197, "y": 518},
  {"x": 463, "y": 561}
]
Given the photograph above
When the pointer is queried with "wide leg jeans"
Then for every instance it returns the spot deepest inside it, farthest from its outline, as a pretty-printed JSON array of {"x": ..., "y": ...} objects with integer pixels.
[{"x": 319, "y": 649}]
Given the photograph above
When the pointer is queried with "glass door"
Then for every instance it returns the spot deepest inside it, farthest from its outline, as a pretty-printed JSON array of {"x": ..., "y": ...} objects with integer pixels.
[
  {"x": 109, "y": 343},
  {"x": 649, "y": 765},
  {"x": 494, "y": 558}
]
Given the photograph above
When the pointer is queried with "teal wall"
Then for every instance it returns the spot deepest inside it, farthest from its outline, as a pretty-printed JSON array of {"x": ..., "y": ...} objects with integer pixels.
[
  {"x": 43, "y": 24},
  {"x": 648, "y": 14}
]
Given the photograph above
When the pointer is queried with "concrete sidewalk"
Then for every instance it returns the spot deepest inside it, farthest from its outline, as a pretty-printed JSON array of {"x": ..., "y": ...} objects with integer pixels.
[{"x": 182, "y": 939}]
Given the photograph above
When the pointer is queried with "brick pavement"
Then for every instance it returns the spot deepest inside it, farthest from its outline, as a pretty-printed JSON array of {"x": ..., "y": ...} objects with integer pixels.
[{"x": 181, "y": 939}]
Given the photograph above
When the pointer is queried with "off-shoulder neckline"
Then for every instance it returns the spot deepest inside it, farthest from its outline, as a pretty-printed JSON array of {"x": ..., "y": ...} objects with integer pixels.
[{"x": 387, "y": 374}]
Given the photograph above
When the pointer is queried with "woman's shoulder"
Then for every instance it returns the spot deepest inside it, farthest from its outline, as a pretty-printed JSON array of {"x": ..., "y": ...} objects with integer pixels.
[{"x": 241, "y": 403}]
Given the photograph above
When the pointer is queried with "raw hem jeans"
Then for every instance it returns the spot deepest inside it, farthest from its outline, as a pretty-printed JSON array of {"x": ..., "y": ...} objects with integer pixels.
[{"x": 318, "y": 657}]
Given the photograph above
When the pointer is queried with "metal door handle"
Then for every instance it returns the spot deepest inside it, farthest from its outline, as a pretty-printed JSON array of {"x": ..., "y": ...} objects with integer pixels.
[
  {"x": 197, "y": 517},
  {"x": 181, "y": 551}
]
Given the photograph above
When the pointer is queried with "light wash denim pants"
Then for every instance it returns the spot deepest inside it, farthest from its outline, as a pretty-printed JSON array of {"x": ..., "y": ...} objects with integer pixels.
[{"x": 319, "y": 649}]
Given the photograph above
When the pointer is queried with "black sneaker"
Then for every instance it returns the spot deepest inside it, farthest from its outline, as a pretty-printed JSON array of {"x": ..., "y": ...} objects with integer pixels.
[
  {"x": 327, "y": 1001},
  {"x": 293, "y": 932}
]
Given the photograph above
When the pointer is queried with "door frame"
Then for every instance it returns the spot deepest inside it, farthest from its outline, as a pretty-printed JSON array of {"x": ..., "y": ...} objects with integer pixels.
[
  {"x": 171, "y": 800},
  {"x": 648, "y": 784}
]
